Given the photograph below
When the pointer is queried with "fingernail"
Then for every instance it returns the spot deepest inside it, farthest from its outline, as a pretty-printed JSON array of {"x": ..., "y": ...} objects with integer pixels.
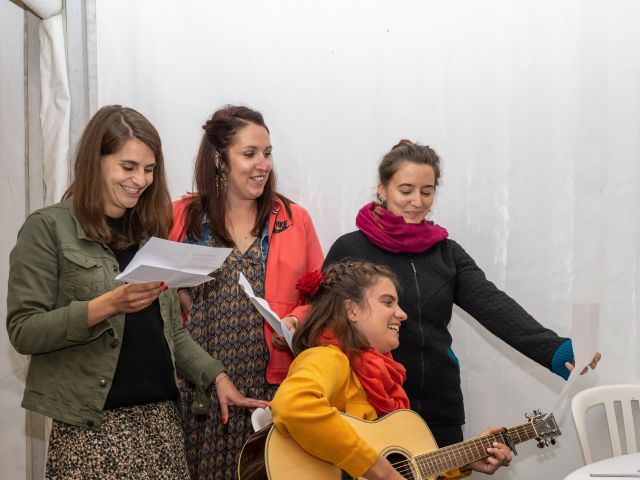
[
  {"x": 224, "y": 420},
  {"x": 161, "y": 283},
  {"x": 166, "y": 288}
]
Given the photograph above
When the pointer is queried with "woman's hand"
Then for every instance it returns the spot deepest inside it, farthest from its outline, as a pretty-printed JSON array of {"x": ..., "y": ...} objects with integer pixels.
[
  {"x": 291, "y": 323},
  {"x": 185, "y": 303},
  {"x": 382, "y": 470},
  {"x": 499, "y": 454},
  {"x": 126, "y": 298},
  {"x": 594, "y": 363},
  {"x": 228, "y": 395}
]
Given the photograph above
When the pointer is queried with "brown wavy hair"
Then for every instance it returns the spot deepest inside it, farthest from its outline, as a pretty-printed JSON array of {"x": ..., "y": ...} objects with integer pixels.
[
  {"x": 208, "y": 201},
  {"x": 105, "y": 134},
  {"x": 406, "y": 150},
  {"x": 348, "y": 279}
]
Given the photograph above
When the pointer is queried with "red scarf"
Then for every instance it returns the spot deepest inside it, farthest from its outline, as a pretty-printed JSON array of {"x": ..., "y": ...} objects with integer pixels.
[
  {"x": 380, "y": 375},
  {"x": 391, "y": 233}
]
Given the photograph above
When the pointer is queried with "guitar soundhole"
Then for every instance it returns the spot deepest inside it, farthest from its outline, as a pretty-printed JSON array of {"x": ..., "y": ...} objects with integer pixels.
[{"x": 400, "y": 463}]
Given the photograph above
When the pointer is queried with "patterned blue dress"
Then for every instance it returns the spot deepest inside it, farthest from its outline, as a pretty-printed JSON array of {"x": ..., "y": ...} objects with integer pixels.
[{"x": 225, "y": 323}]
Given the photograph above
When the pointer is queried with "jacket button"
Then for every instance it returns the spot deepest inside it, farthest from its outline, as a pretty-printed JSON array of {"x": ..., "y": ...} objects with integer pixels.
[
  {"x": 115, "y": 268},
  {"x": 114, "y": 343},
  {"x": 103, "y": 382},
  {"x": 90, "y": 423},
  {"x": 200, "y": 405}
]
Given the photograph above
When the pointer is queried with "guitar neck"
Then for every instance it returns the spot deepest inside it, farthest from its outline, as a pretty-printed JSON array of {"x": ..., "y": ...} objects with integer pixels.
[{"x": 460, "y": 454}]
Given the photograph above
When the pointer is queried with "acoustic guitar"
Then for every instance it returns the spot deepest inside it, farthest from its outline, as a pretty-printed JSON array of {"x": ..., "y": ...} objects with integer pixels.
[{"x": 401, "y": 436}]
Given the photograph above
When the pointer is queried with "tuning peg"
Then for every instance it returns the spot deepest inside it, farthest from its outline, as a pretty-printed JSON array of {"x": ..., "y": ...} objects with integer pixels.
[
  {"x": 552, "y": 441},
  {"x": 540, "y": 444}
]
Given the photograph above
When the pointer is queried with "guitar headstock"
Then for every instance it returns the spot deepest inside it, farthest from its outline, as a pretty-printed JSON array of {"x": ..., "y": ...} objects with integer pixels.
[{"x": 545, "y": 427}]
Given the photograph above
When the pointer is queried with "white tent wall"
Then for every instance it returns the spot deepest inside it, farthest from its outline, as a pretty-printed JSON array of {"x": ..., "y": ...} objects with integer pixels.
[
  {"x": 22, "y": 445},
  {"x": 533, "y": 106},
  {"x": 12, "y": 195}
]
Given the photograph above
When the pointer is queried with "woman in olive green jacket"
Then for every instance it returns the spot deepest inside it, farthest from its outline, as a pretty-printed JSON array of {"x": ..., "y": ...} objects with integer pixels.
[{"x": 104, "y": 354}]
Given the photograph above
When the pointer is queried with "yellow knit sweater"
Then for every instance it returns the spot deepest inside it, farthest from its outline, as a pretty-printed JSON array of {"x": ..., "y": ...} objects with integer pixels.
[{"x": 320, "y": 384}]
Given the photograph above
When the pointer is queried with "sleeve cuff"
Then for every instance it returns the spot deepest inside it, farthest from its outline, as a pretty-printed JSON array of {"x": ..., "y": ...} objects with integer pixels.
[
  {"x": 454, "y": 474},
  {"x": 359, "y": 461},
  {"x": 77, "y": 328},
  {"x": 563, "y": 354}
]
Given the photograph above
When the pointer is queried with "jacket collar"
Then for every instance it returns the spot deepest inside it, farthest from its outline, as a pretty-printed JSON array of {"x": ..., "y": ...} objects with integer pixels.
[{"x": 68, "y": 202}]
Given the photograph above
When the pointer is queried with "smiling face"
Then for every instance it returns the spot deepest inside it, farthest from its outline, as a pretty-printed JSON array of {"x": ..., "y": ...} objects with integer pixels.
[
  {"x": 125, "y": 176},
  {"x": 410, "y": 192},
  {"x": 249, "y": 161},
  {"x": 378, "y": 319}
]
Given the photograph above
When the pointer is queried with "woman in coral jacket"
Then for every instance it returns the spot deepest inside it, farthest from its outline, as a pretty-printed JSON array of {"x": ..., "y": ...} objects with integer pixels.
[
  {"x": 344, "y": 364},
  {"x": 274, "y": 243},
  {"x": 434, "y": 274}
]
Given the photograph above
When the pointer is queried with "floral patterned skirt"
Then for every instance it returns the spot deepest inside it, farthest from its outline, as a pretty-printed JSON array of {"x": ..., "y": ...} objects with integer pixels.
[{"x": 142, "y": 442}]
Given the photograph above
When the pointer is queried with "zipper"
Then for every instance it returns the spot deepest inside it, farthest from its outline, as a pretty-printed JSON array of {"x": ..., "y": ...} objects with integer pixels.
[{"x": 415, "y": 279}]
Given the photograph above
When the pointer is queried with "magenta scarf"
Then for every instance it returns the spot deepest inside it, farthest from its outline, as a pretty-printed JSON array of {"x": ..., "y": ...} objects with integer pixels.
[{"x": 391, "y": 233}]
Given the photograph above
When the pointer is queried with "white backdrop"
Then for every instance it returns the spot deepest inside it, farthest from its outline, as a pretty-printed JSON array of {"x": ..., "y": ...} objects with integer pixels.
[
  {"x": 12, "y": 195},
  {"x": 534, "y": 108}
]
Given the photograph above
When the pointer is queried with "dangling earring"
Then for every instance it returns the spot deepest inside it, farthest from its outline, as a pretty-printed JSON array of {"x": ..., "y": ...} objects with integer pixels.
[{"x": 221, "y": 182}]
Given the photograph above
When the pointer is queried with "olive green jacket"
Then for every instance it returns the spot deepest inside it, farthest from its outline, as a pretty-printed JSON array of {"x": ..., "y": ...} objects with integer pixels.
[{"x": 54, "y": 271}]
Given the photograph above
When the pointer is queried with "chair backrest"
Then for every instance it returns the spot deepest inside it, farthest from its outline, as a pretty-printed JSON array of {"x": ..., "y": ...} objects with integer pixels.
[
  {"x": 260, "y": 418},
  {"x": 607, "y": 395}
]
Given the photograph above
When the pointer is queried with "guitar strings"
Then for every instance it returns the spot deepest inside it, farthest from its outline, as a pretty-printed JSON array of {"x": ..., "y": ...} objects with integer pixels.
[{"x": 405, "y": 466}]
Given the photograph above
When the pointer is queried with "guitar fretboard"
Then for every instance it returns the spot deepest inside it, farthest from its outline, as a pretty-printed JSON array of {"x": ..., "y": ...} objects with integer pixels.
[{"x": 460, "y": 454}]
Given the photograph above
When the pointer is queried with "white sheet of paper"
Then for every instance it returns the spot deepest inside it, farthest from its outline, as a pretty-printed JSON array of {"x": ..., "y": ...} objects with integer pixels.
[
  {"x": 176, "y": 264},
  {"x": 584, "y": 337},
  {"x": 263, "y": 307}
]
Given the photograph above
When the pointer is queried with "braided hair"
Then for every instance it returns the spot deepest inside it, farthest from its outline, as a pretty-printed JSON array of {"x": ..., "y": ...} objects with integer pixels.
[{"x": 348, "y": 279}]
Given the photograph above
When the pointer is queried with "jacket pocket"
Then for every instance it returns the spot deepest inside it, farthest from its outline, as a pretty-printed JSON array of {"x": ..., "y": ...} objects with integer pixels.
[{"x": 82, "y": 276}]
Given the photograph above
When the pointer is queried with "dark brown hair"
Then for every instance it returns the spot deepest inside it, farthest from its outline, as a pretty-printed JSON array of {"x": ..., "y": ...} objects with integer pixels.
[
  {"x": 105, "y": 134},
  {"x": 408, "y": 151},
  {"x": 347, "y": 279},
  {"x": 219, "y": 133}
]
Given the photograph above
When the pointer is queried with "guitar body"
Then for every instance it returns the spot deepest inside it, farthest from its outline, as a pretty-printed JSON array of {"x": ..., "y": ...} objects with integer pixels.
[{"x": 400, "y": 435}]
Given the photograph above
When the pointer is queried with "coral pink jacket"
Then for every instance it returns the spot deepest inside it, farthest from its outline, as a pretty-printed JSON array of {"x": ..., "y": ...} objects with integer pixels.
[{"x": 294, "y": 249}]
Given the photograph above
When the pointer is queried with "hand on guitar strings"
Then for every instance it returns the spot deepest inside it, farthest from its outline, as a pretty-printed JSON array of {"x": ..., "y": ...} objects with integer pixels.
[{"x": 500, "y": 455}]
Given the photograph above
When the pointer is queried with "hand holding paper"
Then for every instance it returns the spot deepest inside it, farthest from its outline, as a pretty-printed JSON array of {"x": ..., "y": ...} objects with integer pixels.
[
  {"x": 269, "y": 315},
  {"x": 176, "y": 264},
  {"x": 584, "y": 337}
]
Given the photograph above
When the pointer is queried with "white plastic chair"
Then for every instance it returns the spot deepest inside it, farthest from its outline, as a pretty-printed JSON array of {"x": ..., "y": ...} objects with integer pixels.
[
  {"x": 260, "y": 418},
  {"x": 607, "y": 395}
]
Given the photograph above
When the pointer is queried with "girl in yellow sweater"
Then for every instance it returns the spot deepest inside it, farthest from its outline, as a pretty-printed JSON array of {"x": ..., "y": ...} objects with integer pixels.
[{"x": 344, "y": 364}]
